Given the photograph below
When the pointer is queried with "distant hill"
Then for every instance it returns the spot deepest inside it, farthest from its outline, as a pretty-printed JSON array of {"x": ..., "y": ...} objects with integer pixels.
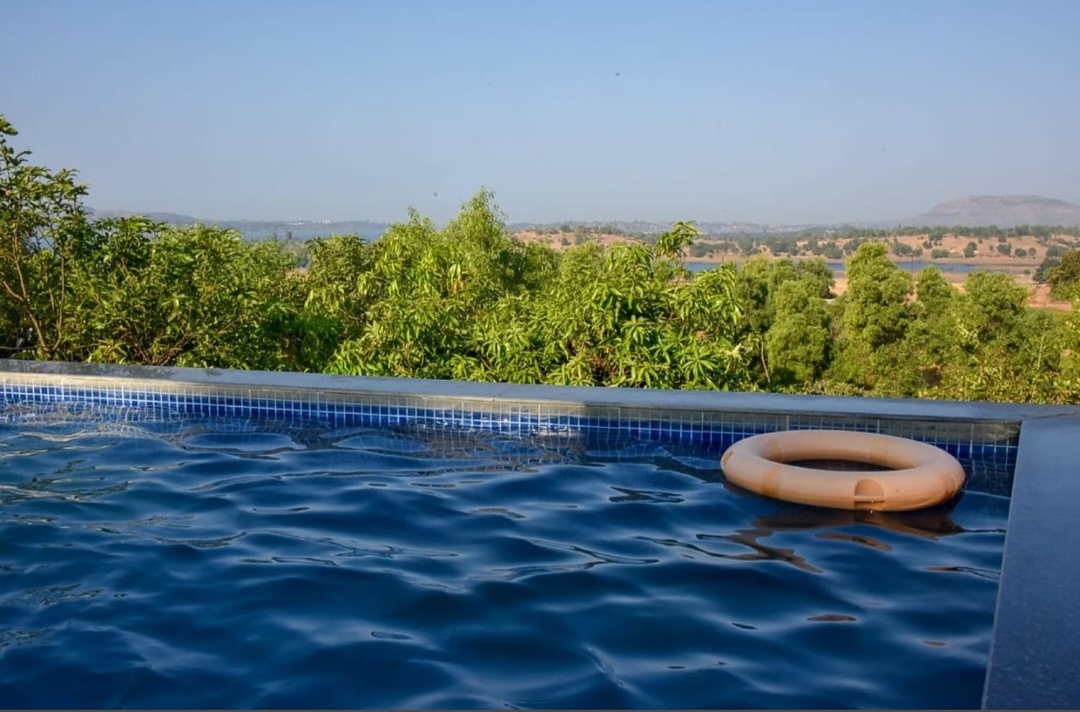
[
  {"x": 642, "y": 227},
  {"x": 1004, "y": 211},
  {"x": 258, "y": 229},
  {"x": 1001, "y": 210},
  {"x": 171, "y": 218}
]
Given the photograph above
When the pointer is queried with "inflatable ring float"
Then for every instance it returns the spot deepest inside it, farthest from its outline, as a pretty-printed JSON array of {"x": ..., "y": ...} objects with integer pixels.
[{"x": 918, "y": 475}]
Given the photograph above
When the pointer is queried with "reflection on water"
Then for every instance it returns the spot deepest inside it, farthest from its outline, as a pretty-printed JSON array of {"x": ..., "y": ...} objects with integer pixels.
[
  {"x": 929, "y": 523},
  {"x": 240, "y": 563}
]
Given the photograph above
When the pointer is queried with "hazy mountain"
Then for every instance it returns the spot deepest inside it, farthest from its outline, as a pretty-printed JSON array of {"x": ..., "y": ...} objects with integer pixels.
[
  {"x": 974, "y": 211},
  {"x": 1000, "y": 210},
  {"x": 171, "y": 218},
  {"x": 256, "y": 229},
  {"x": 642, "y": 227}
]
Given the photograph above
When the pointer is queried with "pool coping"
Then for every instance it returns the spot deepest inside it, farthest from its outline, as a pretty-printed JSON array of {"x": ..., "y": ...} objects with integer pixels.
[{"x": 1035, "y": 622}]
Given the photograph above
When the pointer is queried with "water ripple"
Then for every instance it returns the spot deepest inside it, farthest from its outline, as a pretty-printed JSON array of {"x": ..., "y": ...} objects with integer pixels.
[{"x": 184, "y": 562}]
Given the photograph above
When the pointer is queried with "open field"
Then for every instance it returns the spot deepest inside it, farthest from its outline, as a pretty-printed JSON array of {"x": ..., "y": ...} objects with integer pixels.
[
  {"x": 987, "y": 256},
  {"x": 1039, "y": 294},
  {"x": 567, "y": 240}
]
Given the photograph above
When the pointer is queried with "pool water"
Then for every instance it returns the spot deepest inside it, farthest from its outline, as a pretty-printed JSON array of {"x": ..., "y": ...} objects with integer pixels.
[{"x": 153, "y": 561}]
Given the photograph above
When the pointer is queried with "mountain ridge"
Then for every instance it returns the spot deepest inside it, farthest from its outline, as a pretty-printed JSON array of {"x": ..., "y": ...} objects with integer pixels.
[
  {"x": 301, "y": 229},
  {"x": 1003, "y": 211}
]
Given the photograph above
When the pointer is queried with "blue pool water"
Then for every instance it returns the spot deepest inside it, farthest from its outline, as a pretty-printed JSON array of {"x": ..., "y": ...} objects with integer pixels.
[{"x": 187, "y": 562}]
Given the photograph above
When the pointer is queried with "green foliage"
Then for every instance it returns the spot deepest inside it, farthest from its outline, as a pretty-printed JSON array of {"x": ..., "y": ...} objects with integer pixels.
[
  {"x": 874, "y": 316},
  {"x": 1064, "y": 277},
  {"x": 1042, "y": 274},
  {"x": 787, "y": 320},
  {"x": 991, "y": 309},
  {"x": 832, "y": 251},
  {"x": 42, "y": 223},
  {"x": 933, "y": 294},
  {"x": 904, "y": 250},
  {"x": 145, "y": 293},
  {"x": 1004, "y": 351},
  {"x": 671, "y": 244},
  {"x": 797, "y": 344},
  {"x": 1066, "y": 379},
  {"x": 875, "y": 304},
  {"x": 467, "y": 301},
  {"x": 415, "y": 307},
  {"x": 930, "y": 335}
]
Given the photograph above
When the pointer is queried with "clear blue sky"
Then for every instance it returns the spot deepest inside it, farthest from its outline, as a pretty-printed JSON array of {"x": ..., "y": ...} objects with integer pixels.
[{"x": 796, "y": 111}]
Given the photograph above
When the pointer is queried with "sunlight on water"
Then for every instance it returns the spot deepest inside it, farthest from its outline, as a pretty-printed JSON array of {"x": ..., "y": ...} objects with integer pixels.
[{"x": 232, "y": 563}]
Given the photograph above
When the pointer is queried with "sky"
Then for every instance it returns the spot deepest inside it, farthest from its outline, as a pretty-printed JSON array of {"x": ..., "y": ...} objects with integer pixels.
[{"x": 796, "y": 111}]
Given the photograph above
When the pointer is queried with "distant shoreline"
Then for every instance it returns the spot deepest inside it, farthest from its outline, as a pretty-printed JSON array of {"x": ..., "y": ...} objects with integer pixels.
[
  {"x": 989, "y": 253},
  {"x": 1017, "y": 265}
]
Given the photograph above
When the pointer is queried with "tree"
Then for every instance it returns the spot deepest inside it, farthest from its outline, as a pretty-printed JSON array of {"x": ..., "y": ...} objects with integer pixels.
[
  {"x": 930, "y": 336},
  {"x": 1063, "y": 277},
  {"x": 1046, "y": 267},
  {"x": 797, "y": 343},
  {"x": 875, "y": 304},
  {"x": 671, "y": 244},
  {"x": 933, "y": 294},
  {"x": 1003, "y": 350},
  {"x": 773, "y": 295},
  {"x": 188, "y": 296},
  {"x": 991, "y": 309},
  {"x": 42, "y": 220},
  {"x": 468, "y": 301},
  {"x": 904, "y": 250},
  {"x": 874, "y": 317}
]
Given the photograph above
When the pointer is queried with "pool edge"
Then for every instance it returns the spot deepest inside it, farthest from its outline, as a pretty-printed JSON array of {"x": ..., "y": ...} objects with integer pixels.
[
  {"x": 1036, "y": 624},
  {"x": 1019, "y": 660}
]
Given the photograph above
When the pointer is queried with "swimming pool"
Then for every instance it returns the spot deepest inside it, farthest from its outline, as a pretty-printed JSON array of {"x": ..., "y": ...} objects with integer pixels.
[{"x": 156, "y": 555}]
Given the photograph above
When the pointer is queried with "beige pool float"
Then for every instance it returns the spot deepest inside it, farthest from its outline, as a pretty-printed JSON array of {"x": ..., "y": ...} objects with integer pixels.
[{"x": 919, "y": 475}]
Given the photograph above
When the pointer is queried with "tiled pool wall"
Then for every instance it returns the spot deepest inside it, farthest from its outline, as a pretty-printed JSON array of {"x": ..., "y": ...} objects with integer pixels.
[
  {"x": 990, "y": 445},
  {"x": 1036, "y": 447}
]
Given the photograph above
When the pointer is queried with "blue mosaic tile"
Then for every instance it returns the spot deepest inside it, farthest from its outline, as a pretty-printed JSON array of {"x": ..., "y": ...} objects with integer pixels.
[{"x": 712, "y": 430}]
